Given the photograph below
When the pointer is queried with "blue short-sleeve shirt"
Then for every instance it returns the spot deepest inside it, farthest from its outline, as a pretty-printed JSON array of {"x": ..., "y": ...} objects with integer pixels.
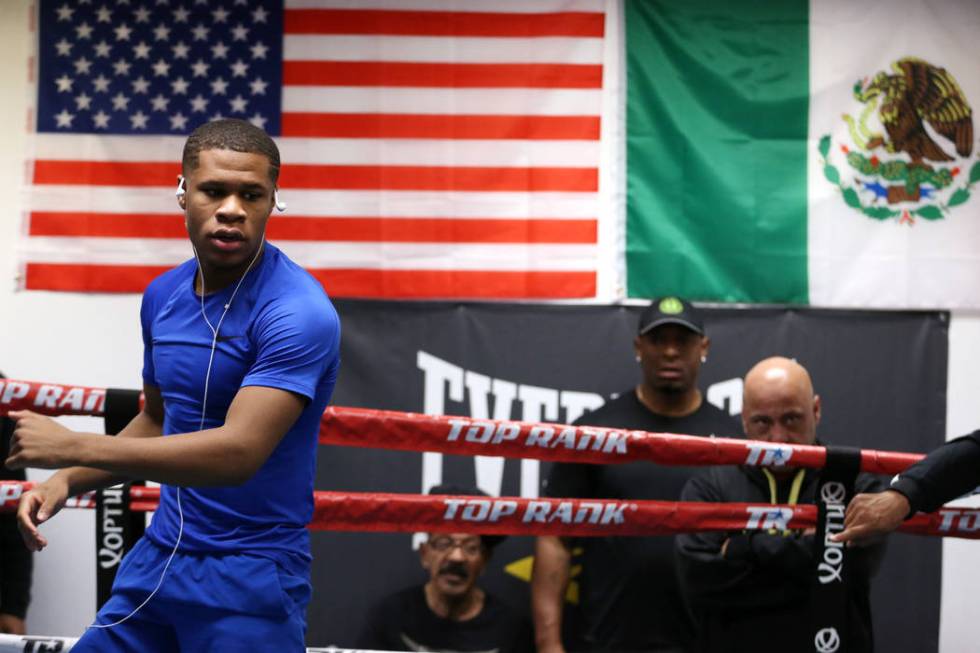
[{"x": 281, "y": 331}]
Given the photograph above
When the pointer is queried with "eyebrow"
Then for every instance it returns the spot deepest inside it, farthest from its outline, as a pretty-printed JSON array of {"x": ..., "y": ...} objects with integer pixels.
[{"x": 215, "y": 183}]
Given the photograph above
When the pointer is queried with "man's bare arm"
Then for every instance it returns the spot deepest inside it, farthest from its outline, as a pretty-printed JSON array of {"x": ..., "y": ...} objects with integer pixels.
[
  {"x": 148, "y": 423},
  {"x": 549, "y": 581},
  {"x": 230, "y": 454},
  {"x": 47, "y": 498}
]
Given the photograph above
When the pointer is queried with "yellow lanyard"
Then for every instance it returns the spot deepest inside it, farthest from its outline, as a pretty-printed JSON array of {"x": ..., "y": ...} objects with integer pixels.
[{"x": 794, "y": 492}]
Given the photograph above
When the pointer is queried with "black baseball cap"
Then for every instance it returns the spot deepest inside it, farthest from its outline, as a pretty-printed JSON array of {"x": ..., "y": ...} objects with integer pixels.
[
  {"x": 671, "y": 310},
  {"x": 489, "y": 541}
]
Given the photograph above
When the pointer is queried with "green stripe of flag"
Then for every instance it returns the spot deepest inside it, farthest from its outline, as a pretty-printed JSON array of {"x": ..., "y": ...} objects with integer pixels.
[{"x": 716, "y": 149}]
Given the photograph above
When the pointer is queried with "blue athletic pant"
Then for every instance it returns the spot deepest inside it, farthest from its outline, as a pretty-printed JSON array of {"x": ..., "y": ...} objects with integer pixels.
[{"x": 231, "y": 602}]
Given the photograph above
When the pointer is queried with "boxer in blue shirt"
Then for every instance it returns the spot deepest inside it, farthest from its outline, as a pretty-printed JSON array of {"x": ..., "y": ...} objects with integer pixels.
[{"x": 241, "y": 351}]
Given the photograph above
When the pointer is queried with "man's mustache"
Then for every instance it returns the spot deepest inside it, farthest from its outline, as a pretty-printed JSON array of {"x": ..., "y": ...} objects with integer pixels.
[{"x": 454, "y": 569}]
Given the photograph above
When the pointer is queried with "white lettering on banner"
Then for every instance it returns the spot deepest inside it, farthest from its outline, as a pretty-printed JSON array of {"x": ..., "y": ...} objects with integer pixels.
[
  {"x": 47, "y": 396},
  {"x": 502, "y": 509},
  {"x": 74, "y": 399},
  {"x": 480, "y": 432},
  {"x": 570, "y": 437},
  {"x": 13, "y": 390},
  {"x": 726, "y": 395},
  {"x": 111, "y": 546},
  {"x": 968, "y": 522},
  {"x": 831, "y": 567},
  {"x": 774, "y": 455},
  {"x": 476, "y": 510},
  {"x": 10, "y": 494},
  {"x": 766, "y": 517},
  {"x": 493, "y": 510},
  {"x": 540, "y": 436},
  {"x": 506, "y": 432},
  {"x": 91, "y": 400},
  {"x": 491, "y": 398},
  {"x": 588, "y": 511}
]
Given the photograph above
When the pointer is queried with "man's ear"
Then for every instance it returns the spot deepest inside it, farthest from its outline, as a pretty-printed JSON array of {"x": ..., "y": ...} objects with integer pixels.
[
  {"x": 181, "y": 192},
  {"x": 816, "y": 409}
]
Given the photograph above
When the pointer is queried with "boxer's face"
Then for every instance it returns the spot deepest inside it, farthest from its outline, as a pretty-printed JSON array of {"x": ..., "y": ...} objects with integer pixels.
[
  {"x": 454, "y": 562},
  {"x": 670, "y": 356},
  {"x": 227, "y": 203}
]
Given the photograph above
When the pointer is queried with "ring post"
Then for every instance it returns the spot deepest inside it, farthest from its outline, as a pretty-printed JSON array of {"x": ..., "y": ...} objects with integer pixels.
[
  {"x": 831, "y": 571},
  {"x": 117, "y": 528}
]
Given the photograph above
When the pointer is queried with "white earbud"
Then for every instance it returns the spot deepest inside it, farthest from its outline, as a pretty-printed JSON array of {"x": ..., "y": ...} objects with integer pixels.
[
  {"x": 280, "y": 205},
  {"x": 180, "y": 186}
]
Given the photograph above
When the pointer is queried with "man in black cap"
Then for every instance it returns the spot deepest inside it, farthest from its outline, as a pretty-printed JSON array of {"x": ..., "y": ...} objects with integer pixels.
[
  {"x": 630, "y": 598},
  {"x": 449, "y": 613}
]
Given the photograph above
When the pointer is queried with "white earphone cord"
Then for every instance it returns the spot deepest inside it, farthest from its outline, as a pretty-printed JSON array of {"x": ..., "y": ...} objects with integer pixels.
[{"x": 204, "y": 405}]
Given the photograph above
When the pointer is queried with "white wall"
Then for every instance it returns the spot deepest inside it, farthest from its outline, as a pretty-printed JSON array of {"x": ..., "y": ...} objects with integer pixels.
[
  {"x": 94, "y": 340},
  {"x": 88, "y": 340},
  {"x": 961, "y": 558}
]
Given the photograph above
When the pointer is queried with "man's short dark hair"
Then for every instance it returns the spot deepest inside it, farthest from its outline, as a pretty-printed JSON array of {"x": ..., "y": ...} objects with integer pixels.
[{"x": 230, "y": 134}]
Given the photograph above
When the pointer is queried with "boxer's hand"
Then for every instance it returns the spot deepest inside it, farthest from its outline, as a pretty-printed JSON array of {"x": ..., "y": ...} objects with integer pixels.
[
  {"x": 39, "y": 441},
  {"x": 36, "y": 507}
]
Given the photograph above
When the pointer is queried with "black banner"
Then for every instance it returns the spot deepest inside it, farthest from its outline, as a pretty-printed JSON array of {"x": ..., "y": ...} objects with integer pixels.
[{"x": 881, "y": 377}]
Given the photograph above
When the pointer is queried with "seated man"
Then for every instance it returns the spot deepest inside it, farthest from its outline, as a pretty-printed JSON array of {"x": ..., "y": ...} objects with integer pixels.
[
  {"x": 450, "y": 612},
  {"x": 751, "y": 590}
]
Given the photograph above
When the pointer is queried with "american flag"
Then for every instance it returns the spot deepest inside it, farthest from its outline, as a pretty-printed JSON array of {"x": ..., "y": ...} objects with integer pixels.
[{"x": 431, "y": 148}]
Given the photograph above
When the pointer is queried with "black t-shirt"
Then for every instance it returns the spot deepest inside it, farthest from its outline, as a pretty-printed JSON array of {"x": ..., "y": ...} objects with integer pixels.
[
  {"x": 404, "y": 622},
  {"x": 630, "y": 595}
]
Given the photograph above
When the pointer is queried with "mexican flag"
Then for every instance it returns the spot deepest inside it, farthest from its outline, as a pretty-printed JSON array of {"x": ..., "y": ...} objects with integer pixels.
[{"x": 803, "y": 152}]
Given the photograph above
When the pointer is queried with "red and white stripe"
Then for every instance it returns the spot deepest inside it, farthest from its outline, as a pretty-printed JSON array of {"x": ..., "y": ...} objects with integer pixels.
[{"x": 430, "y": 149}]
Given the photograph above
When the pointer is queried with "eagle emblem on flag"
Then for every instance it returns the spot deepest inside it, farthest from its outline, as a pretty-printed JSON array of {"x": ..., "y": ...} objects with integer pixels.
[{"x": 908, "y": 151}]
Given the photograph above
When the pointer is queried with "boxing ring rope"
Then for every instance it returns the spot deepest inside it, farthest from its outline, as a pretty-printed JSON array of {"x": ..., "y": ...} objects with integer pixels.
[
  {"x": 409, "y": 513},
  {"x": 583, "y": 444},
  {"x": 516, "y": 515},
  {"x": 35, "y": 644},
  {"x": 485, "y": 437},
  {"x": 368, "y": 511}
]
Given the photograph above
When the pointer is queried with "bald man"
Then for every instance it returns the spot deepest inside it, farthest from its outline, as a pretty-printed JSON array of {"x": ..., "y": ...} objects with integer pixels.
[{"x": 750, "y": 590}]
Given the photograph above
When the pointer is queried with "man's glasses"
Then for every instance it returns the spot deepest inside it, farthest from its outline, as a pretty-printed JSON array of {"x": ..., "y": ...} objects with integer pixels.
[{"x": 470, "y": 548}]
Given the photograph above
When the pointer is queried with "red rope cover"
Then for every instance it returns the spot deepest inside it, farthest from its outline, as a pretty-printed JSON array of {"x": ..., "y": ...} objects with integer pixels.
[
  {"x": 390, "y": 429},
  {"x": 361, "y": 427},
  {"x": 376, "y": 511},
  {"x": 51, "y": 398}
]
